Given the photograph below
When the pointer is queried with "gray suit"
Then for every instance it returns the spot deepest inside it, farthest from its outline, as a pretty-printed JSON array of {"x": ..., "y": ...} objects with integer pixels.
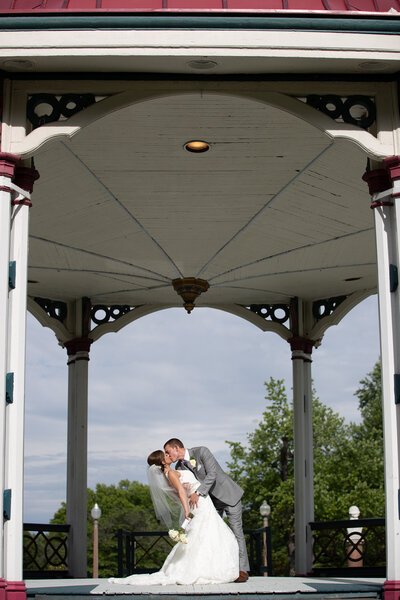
[{"x": 224, "y": 492}]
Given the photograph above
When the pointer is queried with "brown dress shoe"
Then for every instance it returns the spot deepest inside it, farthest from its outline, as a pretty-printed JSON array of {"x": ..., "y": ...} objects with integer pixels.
[{"x": 243, "y": 576}]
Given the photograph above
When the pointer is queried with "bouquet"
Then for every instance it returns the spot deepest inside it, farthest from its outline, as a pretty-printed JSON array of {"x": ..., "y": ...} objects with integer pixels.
[{"x": 179, "y": 535}]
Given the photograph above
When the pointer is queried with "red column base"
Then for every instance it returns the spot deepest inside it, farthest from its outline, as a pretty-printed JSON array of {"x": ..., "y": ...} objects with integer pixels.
[
  {"x": 391, "y": 589},
  {"x": 3, "y": 584},
  {"x": 15, "y": 590}
]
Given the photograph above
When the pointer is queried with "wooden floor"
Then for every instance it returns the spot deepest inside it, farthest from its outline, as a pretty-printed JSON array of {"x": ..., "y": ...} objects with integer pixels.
[{"x": 276, "y": 588}]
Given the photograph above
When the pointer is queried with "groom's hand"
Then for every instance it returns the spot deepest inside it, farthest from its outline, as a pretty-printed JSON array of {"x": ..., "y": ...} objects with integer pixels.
[{"x": 194, "y": 500}]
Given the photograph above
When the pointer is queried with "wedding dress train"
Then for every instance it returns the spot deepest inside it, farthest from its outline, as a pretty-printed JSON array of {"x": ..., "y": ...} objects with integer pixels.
[{"x": 210, "y": 556}]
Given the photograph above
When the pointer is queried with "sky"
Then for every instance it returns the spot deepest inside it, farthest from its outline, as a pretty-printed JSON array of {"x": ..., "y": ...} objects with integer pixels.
[{"x": 198, "y": 377}]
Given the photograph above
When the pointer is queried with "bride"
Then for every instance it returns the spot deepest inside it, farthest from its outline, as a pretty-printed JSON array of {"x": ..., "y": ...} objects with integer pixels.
[{"x": 211, "y": 554}]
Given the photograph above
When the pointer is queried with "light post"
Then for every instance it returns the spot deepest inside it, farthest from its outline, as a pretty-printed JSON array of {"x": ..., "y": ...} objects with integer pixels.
[
  {"x": 96, "y": 514},
  {"x": 265, "y": 511}
]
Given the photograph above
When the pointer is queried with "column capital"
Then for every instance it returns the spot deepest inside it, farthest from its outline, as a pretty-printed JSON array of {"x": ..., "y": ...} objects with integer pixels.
[
  {"x": 8, "y": 163},
  {"x": 79, "y": 345},
  {"x": 378, "y": 181},
  {"x": 24, "y": 178},
  {"x": 301, "y": 343}
]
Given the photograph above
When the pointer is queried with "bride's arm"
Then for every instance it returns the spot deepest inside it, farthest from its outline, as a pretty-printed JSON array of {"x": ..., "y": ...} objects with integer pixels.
[{"x": 175, "y": 480}]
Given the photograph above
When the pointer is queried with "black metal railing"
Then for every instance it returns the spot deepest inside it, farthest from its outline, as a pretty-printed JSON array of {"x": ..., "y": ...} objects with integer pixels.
[
  {"x": 45, "y": 551},
  {"x": 349, "y": 548},
  {"x": 145, "y": 551}
]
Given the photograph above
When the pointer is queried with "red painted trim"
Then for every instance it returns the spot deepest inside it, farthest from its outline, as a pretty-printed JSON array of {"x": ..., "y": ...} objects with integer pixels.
[
  {"x": 391, "y": 589},
  {"x": 392, "y": 165},
  {"x": 1, "y": 111},
  {"x": 8, "y": 163},
  {"x": 25, "y": 177},
  {"x": 262, "y": 7},
  {"x": 78, "y": 345},
  {"x": 378, "y": 181},
  {"x": 301, "y": 343},
  {"x": 3, "y": 584},
  {"x": 23, "y": 202},
  {"x": 15, "y": 590},
  {"x": 5, "y": 188},
  {"x": 380, "y": 203}
]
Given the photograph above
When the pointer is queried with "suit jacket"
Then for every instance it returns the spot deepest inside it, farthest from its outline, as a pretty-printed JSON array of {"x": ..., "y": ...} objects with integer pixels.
[{"x": 214, "y": 480}]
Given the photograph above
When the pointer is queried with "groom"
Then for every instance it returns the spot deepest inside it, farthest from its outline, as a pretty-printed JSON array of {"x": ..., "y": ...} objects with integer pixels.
[{"x": 224, "y": 492}]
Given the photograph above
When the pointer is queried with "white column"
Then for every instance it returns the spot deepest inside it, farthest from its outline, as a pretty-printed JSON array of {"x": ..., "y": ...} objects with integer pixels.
[
  {"x": 385, "y": 201},
  {"x": 309, "y": 459},
  {"x": 14, "y": 459},
  {"x": 303, "y": 454},
  {"x": 78, "y": 357},
  {"x": 7, "y": 165}
]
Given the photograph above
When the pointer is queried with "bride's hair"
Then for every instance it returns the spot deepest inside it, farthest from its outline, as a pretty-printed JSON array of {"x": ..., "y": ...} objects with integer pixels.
[{"x": 156, "y": 458}]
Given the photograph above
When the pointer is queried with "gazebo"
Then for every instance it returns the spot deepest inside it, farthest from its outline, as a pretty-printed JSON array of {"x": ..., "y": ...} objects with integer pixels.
[{"x": 219, "y": 153}]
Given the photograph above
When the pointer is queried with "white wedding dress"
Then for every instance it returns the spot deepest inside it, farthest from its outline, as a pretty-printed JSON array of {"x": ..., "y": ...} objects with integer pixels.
[{"x": 210, "y": 556}]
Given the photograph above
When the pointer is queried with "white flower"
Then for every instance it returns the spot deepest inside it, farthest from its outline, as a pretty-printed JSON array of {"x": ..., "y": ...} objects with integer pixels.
[
  {"x": 179, "y": 535},
  {"x": 174, "y": 534},
  {"x": 193, "y": 462}
]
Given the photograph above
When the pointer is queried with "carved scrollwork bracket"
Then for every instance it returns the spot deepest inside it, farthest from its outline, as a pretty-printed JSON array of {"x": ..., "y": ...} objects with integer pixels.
[
  {"x": 356, "y": 110},
  {"x": 278, "y": 313},
  {"x": 324, "y": 308},
  {"x": 48, "y": 108},
  {"x": 100, "y": 313},
  {"x": 54, "y": 308}
]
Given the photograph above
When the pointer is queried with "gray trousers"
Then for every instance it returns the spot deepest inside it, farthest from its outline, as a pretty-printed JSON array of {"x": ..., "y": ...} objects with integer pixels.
[{"x": 234, "y": 514}]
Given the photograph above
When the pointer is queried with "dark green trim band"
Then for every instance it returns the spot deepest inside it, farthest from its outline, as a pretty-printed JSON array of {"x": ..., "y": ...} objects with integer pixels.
[{"x": 349, "y": 24}]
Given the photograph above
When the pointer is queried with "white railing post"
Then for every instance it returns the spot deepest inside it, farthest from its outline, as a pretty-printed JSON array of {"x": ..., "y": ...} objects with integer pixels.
[{"x": 354, "y": 537}]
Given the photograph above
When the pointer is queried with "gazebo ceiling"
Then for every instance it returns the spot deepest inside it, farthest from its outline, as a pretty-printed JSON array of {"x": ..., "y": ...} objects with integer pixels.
[{"x": 273, "y": 210}]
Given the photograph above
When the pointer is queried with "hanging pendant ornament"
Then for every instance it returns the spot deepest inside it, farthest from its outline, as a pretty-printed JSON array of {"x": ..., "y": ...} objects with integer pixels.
[{"x": 190, "y": 288}]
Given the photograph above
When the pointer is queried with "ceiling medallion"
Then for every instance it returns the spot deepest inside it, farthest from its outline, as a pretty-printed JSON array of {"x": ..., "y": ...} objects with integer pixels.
[{"x": 190, "y": 288}]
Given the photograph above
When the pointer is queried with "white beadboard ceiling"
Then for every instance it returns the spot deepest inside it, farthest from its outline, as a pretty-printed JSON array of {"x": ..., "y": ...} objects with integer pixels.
[{"x": 272, "y": 211}]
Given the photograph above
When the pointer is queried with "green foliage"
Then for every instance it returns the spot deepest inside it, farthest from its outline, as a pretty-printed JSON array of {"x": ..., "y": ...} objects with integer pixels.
[
  {"x": 127, "y": 506},
  {"x": 348, "y": 465}
]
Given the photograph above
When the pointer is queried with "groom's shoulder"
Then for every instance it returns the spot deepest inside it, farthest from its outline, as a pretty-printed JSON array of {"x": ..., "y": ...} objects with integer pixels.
[
  {"x": 203, "y": 452},
  {"x": 200, "y": 451}
]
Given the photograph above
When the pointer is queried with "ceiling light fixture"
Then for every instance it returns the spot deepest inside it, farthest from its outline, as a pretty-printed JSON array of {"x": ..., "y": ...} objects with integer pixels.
[
  {"x": 202, "y": 65},
  {"x": 197, "y": 146},
  {"x": 18, "y": 64},
  {"x": 373, "y": 65}
]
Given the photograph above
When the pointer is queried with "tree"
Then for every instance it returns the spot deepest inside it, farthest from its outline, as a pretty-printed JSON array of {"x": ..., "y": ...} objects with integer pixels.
[
  {"x": 347, "y": 467},
  {"x": 127, "y": 506}
]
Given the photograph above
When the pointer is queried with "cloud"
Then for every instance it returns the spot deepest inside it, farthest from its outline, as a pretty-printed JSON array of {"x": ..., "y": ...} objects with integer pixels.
[{"x": 199, "y": 377}]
